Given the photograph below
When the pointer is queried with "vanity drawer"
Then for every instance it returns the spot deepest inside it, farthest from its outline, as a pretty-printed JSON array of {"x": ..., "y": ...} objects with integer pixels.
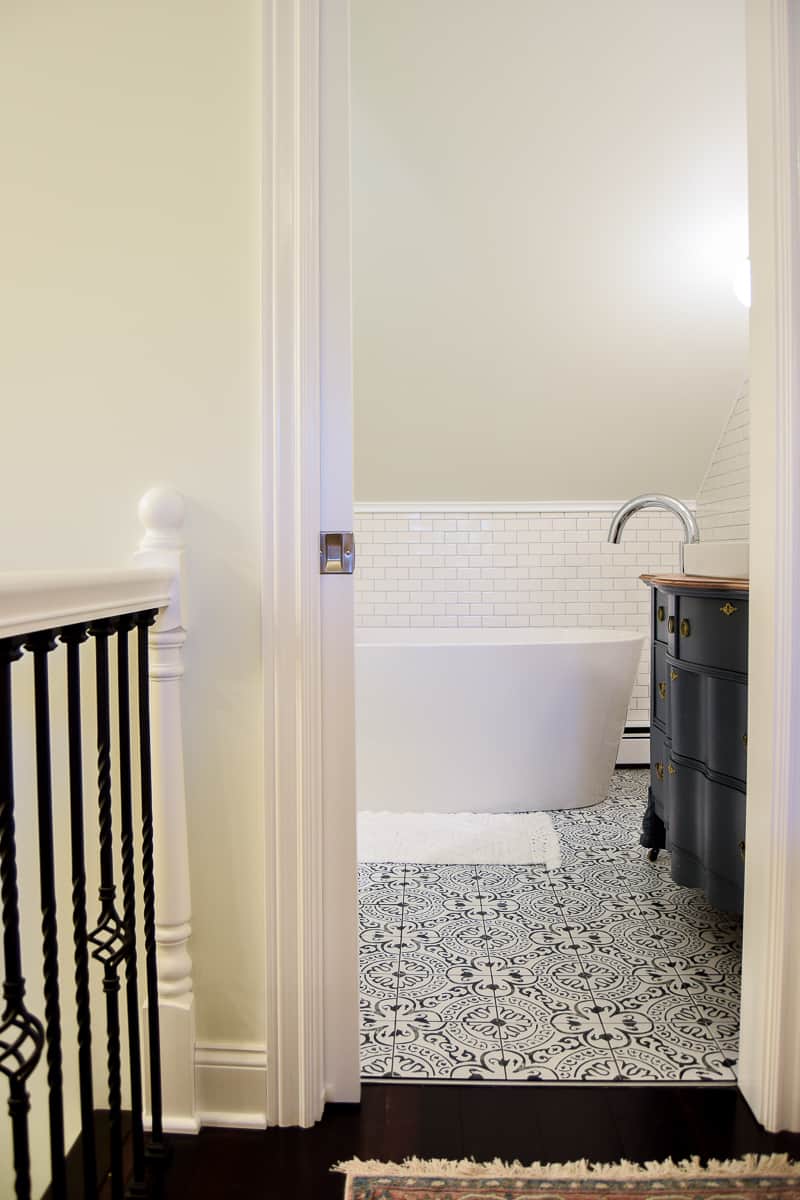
[
  {"x": 707, "y": 835},
  {"x": 708, "y": 718},
  {"x": 658, "y": 770},
  {"x": 712, "y": 632},
  {"x": 660, "y": 689},
  {"x": 660, "y": 615}
]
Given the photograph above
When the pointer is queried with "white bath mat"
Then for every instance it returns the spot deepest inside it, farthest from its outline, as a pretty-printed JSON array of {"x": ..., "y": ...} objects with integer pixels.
[{"x": 458, "y": 838}]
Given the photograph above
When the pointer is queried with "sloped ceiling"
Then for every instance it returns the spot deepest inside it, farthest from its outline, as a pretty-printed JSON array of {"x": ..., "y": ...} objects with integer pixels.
[{"x": 549, "y": 203}]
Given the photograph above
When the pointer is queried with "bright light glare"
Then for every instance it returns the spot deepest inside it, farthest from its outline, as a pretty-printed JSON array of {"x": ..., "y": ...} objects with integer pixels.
[{"x": 741, "y": 282}]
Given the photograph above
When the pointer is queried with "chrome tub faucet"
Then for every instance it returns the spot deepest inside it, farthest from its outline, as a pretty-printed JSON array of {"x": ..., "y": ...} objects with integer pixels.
[{"x": 653, "y": 500}]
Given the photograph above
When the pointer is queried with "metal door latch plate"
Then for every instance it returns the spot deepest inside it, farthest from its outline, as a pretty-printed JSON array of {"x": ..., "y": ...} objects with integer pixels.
[{"x": 337, "y": 553}]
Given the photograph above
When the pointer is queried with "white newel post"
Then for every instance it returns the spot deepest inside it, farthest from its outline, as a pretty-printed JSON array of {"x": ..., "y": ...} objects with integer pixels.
[{"x": 161, "y": 511}]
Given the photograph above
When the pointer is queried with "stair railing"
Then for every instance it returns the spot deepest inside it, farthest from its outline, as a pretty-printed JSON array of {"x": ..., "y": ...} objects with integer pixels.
[{"x": 100, "y": 621}]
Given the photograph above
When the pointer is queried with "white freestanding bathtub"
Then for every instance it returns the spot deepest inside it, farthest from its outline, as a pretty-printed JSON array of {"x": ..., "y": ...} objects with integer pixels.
[{"x": 493, "y": 720}]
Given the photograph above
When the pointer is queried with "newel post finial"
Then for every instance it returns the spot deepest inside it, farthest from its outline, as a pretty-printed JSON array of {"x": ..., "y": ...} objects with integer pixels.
[{"x": 161, "y": 511}]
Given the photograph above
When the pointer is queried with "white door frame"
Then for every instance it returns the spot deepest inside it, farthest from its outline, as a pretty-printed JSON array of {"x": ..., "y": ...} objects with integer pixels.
[
  {"x": 770, "y": 1017},
  {"x": 312, "y": 957},
  {"x": 310, "y": 817}
]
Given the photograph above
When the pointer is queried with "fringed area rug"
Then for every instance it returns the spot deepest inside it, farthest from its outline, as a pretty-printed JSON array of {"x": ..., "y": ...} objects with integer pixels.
[{"x": 763, "y": 1176}]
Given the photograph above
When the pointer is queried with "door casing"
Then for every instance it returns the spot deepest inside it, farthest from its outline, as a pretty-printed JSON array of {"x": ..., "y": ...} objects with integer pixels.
[{"x": 311, "y": 978}]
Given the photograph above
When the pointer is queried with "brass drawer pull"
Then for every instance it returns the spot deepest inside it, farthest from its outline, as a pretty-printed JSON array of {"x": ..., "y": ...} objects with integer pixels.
[
  {"x": 728, "y": 608},
  {"x": 672, "y": 770},
  {"x": 660, "y": 614},
  {"x": 662, "y": 691},
  {"x": 742, "y": 849},
  {"x": 686, "y": 628},
  {"x": 673, "y": 674},
  {"x": 671, "y": 625},
  {"x": 660, "y": 770},
  {"x": 744, "y": 740}
]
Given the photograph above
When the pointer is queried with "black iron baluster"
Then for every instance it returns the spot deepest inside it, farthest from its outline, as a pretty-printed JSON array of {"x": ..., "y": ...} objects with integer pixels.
[
  {"x": 158, "y": 1147},
  {"x": 41, "y": 644},
  {"x": 72, "y": 637},
  {"x": 109, "y": 936},
  {"x": 138, "y": 1184},
  {"x": 21, "y": 1034}
]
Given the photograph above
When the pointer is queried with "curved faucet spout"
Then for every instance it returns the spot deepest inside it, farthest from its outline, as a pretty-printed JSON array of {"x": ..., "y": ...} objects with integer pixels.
[{"x": 654, "y": 500}]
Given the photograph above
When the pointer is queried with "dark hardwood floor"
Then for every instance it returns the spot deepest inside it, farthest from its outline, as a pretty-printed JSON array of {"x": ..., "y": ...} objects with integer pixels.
[{"x": 551, "y": 1124}]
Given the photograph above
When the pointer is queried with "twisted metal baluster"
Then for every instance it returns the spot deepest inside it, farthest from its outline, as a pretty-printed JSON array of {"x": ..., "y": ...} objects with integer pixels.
[
  {"x": 41, "y": 644},
  {"x": 21, "y": 1034},
  {"x": 109, "y": 936},
  {"x": 72, "y": 637},
  {"x": 157, "y": 1147},
  {"x": 138, "y": 1185}
]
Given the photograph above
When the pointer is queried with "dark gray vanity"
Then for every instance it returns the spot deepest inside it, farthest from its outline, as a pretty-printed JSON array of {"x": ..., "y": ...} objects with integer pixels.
[{"x": 698, "y": 732}]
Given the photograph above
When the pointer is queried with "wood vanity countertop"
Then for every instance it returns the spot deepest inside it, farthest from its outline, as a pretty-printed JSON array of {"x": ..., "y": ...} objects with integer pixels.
[{"x": 700, "y": 582}]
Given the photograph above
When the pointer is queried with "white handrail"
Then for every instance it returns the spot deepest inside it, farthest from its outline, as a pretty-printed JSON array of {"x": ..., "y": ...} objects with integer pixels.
[{"x": 35, "y": 600}]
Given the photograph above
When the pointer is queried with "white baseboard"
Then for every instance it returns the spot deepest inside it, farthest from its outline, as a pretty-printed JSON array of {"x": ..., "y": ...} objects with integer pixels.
[
  {"x": 231, "y": 1084},
  {"x": 634, "y": 749},
  {"x": 172, "y": 1124}
]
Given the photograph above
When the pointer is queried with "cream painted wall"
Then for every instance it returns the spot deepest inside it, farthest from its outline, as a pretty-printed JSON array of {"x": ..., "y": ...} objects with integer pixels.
[
  {"x": 131, "y": 338},
  {"x": 549, "y": 202}
]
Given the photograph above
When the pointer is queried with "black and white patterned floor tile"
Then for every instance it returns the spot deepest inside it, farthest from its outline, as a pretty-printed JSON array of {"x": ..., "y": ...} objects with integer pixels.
[{"x": 600, "y": 971}]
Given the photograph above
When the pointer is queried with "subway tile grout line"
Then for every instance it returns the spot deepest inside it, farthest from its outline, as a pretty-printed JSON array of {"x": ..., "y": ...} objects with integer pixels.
[
  {"x": 488, "y": 570},
  {"x": 489, "y": 957}
]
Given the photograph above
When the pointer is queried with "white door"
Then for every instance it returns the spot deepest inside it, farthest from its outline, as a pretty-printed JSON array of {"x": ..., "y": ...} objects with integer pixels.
[
  {"x": 336, "y": 503},
  {"x": 309, "y": 762}
]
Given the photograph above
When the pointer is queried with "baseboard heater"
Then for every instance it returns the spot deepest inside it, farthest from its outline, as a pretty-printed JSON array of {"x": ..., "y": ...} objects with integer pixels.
[{"x": 634, "y": 747}]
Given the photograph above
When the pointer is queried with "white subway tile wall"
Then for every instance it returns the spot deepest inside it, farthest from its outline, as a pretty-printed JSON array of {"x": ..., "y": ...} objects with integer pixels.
[
  {"x": 723, "y": 502},
  {"x": 459, "y": 568}
]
